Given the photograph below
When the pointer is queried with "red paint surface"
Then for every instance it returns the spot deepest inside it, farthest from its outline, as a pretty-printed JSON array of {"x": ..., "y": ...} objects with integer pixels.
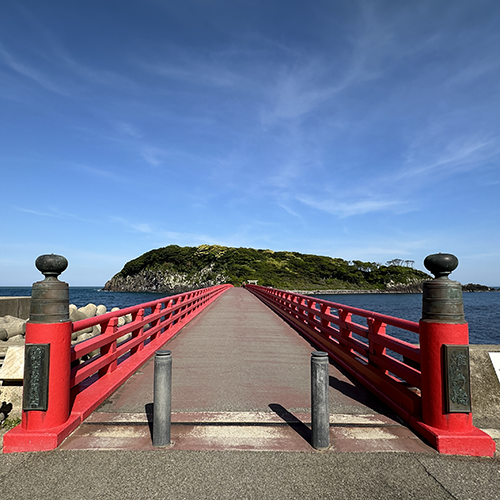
[
  {"x": 423, "y": 406},
  {"x": 58, "y": 336},
  {"x": 450, "y": 433},
  {"x": 241, "y": 381},
  {"x": 74, "y": 394},
  {"x": 432, "y": 338}
]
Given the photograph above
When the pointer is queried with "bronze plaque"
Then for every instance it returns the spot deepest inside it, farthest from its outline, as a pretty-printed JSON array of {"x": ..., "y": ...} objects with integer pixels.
[
  {"x": 457, "y": 372},
  {"x": 36, "y": 377}
]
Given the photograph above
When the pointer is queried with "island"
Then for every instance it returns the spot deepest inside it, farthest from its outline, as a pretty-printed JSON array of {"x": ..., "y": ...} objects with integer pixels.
[{"x": 175, "y": 269}]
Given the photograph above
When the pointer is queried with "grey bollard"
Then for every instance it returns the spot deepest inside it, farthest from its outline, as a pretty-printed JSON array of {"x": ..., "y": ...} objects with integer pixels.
[
  {"x": 162, "y": 399},
  {"x": 320, "y": 409}
]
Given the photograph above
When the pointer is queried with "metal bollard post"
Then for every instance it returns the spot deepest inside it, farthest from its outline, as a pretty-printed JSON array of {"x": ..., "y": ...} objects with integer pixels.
[
  {"x": 162, "y": 399},
  {"x": 320, "y": 409}
]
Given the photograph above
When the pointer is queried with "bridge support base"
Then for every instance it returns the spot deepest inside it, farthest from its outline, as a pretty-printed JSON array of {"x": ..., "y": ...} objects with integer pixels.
[
  {"x": 473, "y": 442},
  {"x": 22, "y": 440}
]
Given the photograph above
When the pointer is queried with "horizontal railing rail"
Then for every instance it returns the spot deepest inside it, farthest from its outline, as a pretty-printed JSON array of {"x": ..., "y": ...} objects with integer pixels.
[
  {"x": 85, "y": 374},
  {"x": 385, "y": 364},
  {"x": 118, "y": 351}
]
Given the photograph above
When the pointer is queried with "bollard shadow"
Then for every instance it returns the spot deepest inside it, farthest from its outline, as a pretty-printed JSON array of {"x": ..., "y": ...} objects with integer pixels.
[
  {"x": 357, "y": 392},
  {"x": 5, "y": 409},
  {"x": 149, "y": 408},
  {"x": 354, "y": 390},
  {"x": 297, "y": 425}
]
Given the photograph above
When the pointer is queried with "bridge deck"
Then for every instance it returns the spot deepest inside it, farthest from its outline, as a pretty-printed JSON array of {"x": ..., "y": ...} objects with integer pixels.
[{"x": 241, "y": 380}]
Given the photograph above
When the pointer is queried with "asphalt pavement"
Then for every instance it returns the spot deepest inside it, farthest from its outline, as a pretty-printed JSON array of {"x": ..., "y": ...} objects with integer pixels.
[{"x": 179, "y": 475}]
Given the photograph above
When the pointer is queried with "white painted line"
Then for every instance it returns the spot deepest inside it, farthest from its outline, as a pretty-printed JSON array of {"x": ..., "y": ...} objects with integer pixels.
[{"x": 495, "y": 360}]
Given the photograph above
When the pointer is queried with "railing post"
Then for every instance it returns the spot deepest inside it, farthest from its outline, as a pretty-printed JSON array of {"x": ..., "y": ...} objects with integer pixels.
[
  {"x": 162, "y": 399},
  {"x": 375, "y": 351},
  {"x": 444, "y": 338},
  {"x": 156, "y": 322},
  {"x": 138, "y": 317},
  {"x": 110, "y": 328},
  {"x": 46, "y": 394},
  {"x": 320, "y": 409}
]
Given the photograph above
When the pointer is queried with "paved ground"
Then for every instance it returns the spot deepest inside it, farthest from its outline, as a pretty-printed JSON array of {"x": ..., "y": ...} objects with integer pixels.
[
  {"x": 165, "y": 474},
  {"x": 241, "y": 430}
]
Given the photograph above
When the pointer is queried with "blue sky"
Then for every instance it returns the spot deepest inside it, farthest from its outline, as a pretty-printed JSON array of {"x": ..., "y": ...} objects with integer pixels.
[{"x": 366, "y": 130}]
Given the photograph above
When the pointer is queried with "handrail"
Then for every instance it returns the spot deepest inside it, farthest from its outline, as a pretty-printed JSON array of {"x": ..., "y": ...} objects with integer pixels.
[
  {"x": 361, "y": 349},
  {"x": 147, "y": 332},
  {"x": 82, "y": 376},
  {"x": 414, "y": 386}
]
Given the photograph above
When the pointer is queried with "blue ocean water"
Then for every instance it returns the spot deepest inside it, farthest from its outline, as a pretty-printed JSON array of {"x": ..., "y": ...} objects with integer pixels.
[
  {"x": 482, "y": 309},
  {"x": 81, "y": 296}
]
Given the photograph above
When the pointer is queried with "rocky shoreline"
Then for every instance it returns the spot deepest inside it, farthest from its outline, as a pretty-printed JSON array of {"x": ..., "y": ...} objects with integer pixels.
[{"x": 163, "y": 281}]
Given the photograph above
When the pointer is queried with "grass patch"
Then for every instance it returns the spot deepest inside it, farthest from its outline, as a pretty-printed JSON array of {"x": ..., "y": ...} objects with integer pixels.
[{"x": 10, "y": 423}]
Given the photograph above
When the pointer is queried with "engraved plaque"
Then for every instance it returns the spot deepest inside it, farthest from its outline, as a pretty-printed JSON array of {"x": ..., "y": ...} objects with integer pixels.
[
  {"x": 457, "y": 372},
  {"x": 36, "y": 377}
]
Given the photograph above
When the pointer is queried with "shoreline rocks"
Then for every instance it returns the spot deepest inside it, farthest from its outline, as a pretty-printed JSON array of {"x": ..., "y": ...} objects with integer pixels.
[
  {"x": 11, "y": 327},
  {"x": 164, "y": 281}
]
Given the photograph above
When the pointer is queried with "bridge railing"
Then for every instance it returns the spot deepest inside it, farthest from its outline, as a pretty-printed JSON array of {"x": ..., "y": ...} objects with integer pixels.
[
  {"x": 103, "y": 362},
  {"x": 63, "y": 384},
  {"x": 389, "y": 367},
  {"x": 427, "y": 384}
]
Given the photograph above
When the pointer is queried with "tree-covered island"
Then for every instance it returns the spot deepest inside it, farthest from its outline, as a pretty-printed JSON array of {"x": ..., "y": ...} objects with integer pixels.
[{"x": 174, "y": 269}]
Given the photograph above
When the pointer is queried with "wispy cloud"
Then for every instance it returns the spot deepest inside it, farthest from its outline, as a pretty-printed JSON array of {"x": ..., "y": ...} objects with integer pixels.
[
  {"x": 152, "y": 155},
  {"x": 50, "y": 54},
  {"x": 147, "y": 228},
  {"x": 128, "y": 129},
  {"x": 53, "y": 212},
  {"x": 295, "y": 94},
  {"x": 345, "y": 209},
  {"x": 287, "y": 208},
  {"x": 39, "y": 212},
  {"x": 103, "y": 173},
  {"x": 449, "y": 154},
  {"x": 30, "y": 72},
  {"x": 196, "y": 72}
]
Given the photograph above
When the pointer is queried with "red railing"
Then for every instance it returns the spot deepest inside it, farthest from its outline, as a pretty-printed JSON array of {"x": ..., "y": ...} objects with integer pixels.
[
  {"x": 388, "y": 366},
  {"x": 113, "y": 359},
  {"x": 409, "y": 378},
  {"x": 85, "y": 374}
]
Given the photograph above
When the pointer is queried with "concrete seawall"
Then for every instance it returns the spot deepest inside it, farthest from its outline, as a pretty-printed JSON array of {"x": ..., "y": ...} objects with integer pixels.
[
  {"x": 19, "y": 307},
  {"x": 485, "y": 387}
]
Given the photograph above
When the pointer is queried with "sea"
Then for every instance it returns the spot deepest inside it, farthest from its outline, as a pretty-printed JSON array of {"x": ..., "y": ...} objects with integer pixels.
[{"x": 482, "y": 309}]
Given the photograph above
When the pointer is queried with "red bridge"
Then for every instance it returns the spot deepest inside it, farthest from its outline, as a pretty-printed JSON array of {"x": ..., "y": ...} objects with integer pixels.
[{"x": 241, "y": 371}]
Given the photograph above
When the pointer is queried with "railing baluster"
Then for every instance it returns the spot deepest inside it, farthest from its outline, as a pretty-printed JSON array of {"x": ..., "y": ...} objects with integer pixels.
[
  {"x": 139, "y": 316},
  {"x": 376, "y": 351},
  {"x": 156, "y": 322},
  {"x": 110, "y": 328}
]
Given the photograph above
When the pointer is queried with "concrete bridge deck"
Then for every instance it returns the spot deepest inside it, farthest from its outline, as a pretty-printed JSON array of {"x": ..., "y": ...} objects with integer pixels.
[{"x": 241, "y": 381}]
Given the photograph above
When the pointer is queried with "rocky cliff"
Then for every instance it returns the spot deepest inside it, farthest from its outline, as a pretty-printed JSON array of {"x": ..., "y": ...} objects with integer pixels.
[{"x": 165, "y": 281}]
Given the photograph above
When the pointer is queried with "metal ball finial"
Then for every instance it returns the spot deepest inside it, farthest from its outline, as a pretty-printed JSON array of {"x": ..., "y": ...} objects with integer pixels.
[
  {"x": 441, "y": 264},
  {"x": 51, "y": 265}
]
